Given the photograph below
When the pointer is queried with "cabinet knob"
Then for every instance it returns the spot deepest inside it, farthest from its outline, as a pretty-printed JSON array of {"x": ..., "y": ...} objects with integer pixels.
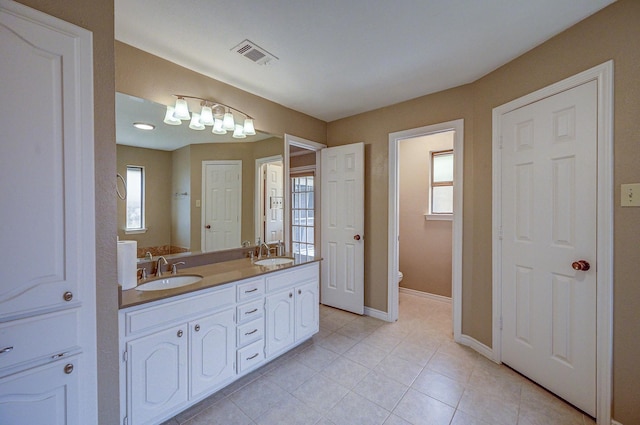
[
  {"x": 299, "y": 291},
  {"x": 197, "y": 328},
  {"x": 180, "y": 333},
  {"x": 68, "y": 368},
  {"x": 290, "y": 294},
  {"x": 67, "y": 296}
]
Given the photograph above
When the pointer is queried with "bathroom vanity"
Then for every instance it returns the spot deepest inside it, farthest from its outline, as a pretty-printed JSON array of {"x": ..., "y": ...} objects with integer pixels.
[{"x": 181, "y": 345}]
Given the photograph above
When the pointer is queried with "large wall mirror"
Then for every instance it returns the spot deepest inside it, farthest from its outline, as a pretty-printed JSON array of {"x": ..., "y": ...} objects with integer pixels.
[{"x": 190, "y": 191}]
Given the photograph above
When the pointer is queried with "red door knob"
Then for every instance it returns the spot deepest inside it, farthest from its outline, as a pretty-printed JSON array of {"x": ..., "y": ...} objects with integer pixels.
[{"x": 581, "y": 265}]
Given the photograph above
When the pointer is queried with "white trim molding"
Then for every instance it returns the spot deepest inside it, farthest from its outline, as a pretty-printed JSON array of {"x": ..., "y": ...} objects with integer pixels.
[
  {"x": 421, "y": 294},
  {"x": 376, "y": 314},
  {"x": 458, "y": 187},
  {"x": 603, "y": 75}
]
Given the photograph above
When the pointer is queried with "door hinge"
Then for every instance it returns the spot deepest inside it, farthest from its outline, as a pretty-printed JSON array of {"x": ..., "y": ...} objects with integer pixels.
[
  {"x": 125, "y": 356},
  {"x": 500, "y": 233},
  {"x": 500, "y": 322},
  {"x": 125, "y": 421}
]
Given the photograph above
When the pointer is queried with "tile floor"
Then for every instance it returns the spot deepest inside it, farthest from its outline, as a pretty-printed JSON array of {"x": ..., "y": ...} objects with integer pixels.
[{"x": 360, "y": 370}]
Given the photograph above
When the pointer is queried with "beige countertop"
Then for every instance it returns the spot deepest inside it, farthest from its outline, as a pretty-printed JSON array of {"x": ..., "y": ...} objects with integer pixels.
[{"x": 213, "y": 275}]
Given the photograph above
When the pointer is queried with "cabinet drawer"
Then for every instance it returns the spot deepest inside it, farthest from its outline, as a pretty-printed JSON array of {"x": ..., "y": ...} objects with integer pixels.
[
  {"x": 277, "y": 281},
  {"x": 146, "y": 318},
  {"x": 250, "y": 311},
  {"x": 250, "y": 356},
  {"x": 39, "y": 338},
  {"x": 250, "y": 289},
  {"x": 250, "y": 332}
]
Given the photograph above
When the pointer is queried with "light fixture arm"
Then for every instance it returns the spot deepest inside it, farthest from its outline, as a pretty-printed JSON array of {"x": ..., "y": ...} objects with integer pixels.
[{"x": 212, "y": 103}]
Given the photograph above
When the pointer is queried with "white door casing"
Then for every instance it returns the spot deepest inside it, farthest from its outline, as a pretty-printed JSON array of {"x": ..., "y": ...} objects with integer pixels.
[
  {"x": 274, "y": 201},
  {"x": 552, "y": 178},
  {"x": 342, "y": 211},
  {"x": 221, "y": 204},
  {"x": 548, "y": 222}
]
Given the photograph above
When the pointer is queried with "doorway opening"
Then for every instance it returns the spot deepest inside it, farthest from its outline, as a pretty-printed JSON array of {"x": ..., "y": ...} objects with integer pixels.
[
  {"x": 455, "y": 130},
  {"x": 269, "y": 214}
]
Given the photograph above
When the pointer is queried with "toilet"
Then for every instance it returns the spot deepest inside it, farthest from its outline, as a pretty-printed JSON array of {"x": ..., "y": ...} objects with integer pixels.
[{"x": 400, "y": 276}]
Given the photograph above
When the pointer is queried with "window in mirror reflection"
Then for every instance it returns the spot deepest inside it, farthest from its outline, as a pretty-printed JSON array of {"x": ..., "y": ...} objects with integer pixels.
[
  {"x": 135, "y": 198},
  {"x": 302, "y": 216}
]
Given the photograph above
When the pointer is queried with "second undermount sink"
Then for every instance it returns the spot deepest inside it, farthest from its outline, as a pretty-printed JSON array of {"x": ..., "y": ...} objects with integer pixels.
[
  {"x": 275, "y": 261},
  {"x": 170, "y": 282}
]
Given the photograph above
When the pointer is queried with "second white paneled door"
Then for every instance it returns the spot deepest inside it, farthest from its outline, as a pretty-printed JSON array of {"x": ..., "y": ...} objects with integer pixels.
[
  {"x": 222, "y": 200},
  {"x": 342, "y": 195},
  {"x": 549, "y": 212}
]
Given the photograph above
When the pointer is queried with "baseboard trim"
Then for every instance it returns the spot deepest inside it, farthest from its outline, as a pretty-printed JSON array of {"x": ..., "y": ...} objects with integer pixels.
[
  {"x": 615, "y": 422},
  {"x": 434, "y": 297},
  {"x": 376, "y": 314},
  {"x": 476, "y": 345}
]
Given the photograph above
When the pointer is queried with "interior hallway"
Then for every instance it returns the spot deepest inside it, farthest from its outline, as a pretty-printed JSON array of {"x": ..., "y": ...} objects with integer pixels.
[{"x": 360, "y": 370}]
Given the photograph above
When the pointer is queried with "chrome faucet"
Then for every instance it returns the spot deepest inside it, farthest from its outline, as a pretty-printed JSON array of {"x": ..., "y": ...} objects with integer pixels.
[
  {"x": 260, "y": 245},
  {"x": 174, "y": 267},
  {"x": 161, "y": 261}
]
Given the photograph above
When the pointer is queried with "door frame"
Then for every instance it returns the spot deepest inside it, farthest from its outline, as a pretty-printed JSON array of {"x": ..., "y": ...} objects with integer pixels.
[
  {"x": 203, "y": 212},
  {"x": 259, "y": 191},
  {"x": 458, "y": 190},
  {"x": 290, "y": 140},
  {"x": 603, "y": 75}
]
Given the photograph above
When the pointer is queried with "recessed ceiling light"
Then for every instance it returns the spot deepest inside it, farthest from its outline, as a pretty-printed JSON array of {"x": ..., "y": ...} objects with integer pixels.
[{"x": 144, "y": 126}]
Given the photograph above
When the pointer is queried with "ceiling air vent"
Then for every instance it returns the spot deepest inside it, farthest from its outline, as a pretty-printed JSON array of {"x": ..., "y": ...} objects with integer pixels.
[{"x": 254, "y": 53}]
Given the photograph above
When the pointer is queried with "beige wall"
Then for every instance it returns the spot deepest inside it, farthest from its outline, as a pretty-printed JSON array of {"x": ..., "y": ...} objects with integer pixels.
[
  {"x": 425, "y": 247},
  {"x": 158, "y": 176},
  {"x": 305, "y": 160},
  {"x": 609, "y": 34},
  {"x": 144, "y": 75}
]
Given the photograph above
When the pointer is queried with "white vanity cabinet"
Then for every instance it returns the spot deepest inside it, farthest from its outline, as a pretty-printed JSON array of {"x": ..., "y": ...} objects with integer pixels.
[
  {"x": 291, "y": 308},
  {"x": 177, "y": 351}
]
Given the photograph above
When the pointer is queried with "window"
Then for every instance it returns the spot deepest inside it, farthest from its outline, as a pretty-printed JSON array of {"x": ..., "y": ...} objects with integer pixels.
[
  {"x": 302, "y": 216},
  {"x": 441, "y": 183},
  {"x": 135, "y": 199}
]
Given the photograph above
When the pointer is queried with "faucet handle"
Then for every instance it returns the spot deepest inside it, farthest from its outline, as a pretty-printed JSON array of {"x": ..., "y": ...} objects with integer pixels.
[
  {"x": 174, "y": 267},
  {"x": 142, "y": 273}
]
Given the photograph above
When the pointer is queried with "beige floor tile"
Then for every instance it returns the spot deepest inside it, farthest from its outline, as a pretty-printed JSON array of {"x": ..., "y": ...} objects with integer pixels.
[
  {"x": 223, "y": 412},
  {"x": 413, "y": 352},
  {"x": 290, "y": 412},
  {"x": 258, "y": 397},
  {"x": 399, "y": 369},
  {"x": 396, "y": 420},
  {"x": 316, "y": 357},
  {"x": 337, "y": 343},
  {"x": 419, "y": 409},
  {"x": 382, "y": 341},
  {"x": 440, "y": 387},
  {"x": 366, "y": 355},
  {"x": 345, "y": 372},
  {"x": 488, "y": 407},
  {"x": 381, "y": 390},
  {"x": 354, "y": 409},
  {"x": 320, "y": 393},
  {"x": 461, "y": 418},
  {"x": 290, "y": 375},
  {"x": 453, "y": 367}
]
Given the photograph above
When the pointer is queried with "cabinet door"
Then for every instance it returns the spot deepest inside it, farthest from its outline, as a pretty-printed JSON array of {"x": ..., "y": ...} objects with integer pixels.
[
  {"x": 212, "y": 351},
  {"x": 280, "y": 321},
  {"x": 157, "y": 374},
  {"x": 47, "y": 395},
  {"x": 307, "y": 313}
]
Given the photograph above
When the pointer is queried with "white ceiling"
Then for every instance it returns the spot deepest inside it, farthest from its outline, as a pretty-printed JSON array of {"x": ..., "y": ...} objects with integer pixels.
[{"x": 338, "y": 58}]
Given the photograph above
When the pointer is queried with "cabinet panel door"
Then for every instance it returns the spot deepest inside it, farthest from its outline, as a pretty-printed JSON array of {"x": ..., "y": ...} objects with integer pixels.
[
  {"x": 157, "y": 374},
  {"x": 280, "y": 321},
  {"x": 306, "y": 310},
  {"x": 41, "y": 396},
  {"x": 212, "y": 344}
]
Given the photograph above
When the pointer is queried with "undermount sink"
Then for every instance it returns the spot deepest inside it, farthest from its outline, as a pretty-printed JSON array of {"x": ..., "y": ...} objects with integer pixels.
[
  {"x": 276, "y": 261},
  {"x": 170, "y": 282}
]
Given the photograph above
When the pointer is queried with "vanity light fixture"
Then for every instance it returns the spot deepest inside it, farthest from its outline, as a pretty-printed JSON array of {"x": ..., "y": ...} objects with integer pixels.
[
  {"x": 144, "y": 126},
  {"x": 212, "y": 113}
]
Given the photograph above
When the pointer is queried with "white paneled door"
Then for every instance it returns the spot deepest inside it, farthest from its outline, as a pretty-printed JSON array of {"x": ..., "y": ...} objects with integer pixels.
[
  {"x": 222, "y": 200},
  {"x": 548, "y": 272},
  {"x": 342, "y": 192},
  {"x": 273, "y": 203}
]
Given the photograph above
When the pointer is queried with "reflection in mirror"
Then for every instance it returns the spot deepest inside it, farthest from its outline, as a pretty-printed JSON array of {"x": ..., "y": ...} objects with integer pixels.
[{"x": 167, "y": 215}]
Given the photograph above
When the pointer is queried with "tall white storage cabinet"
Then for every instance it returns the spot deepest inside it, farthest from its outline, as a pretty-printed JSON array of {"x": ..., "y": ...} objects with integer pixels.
[{"x": 47, "y": 226}]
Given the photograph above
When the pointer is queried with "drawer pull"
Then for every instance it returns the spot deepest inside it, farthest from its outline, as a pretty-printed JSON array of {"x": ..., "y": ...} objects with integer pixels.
[
  {"x": 6, "y": 350},
  {"x": 68, "y": 369},
  {"x": 253, "y": 357},
  {"x": 57, "y": 356},
  {"x": 251, "y": 311},
  {"x": 252, "y": 332},
  {"x": 180, "y": 333},
  {"x": 251, "y": 290}
]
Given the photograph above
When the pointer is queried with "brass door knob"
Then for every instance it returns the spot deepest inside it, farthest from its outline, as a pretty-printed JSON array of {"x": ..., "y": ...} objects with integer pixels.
[
  {"x": 581, "y": 265},
  {"x": 356, "y": 237}
]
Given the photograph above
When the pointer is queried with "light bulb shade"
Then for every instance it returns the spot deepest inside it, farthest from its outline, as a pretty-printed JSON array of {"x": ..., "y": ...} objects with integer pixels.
[
  {"x": 206, "y": 115},
  {"x": 217, "y": 127},
  {"x": 239, "y": 133},
  {"x": 182, "y": 110},
  {"x": 227, "y": 122},
  {"x": 196, "y": 123},
  {"x": 249, "y": 129},
  {"x": 169, "y": 118}
]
